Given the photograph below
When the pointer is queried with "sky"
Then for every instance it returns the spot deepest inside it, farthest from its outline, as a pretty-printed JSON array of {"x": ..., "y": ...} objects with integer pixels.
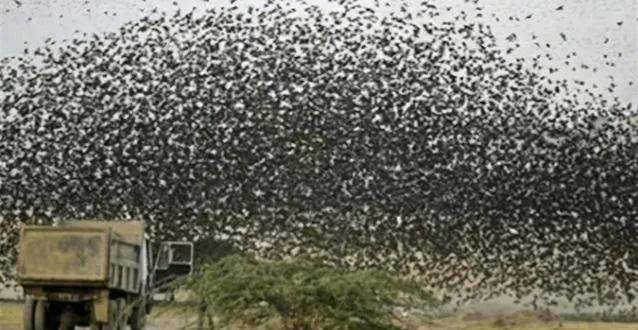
[{"x": 592, "y": 29}]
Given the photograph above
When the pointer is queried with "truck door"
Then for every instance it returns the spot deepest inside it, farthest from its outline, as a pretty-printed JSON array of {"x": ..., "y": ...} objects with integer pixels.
[{"x": 174, "y": 259}]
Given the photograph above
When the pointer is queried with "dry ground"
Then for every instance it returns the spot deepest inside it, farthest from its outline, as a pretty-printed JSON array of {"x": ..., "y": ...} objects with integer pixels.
[
  {"x": 168, "y": 318},
  {"x": 161, "y": 319}
]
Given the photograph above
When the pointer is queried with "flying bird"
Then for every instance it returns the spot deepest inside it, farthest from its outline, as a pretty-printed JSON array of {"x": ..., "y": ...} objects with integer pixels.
[{"x": 336, "y": 133}]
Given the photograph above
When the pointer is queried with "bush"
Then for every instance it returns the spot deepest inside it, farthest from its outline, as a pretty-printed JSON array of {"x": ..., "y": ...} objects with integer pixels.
[{"x": 303, "y": 294}]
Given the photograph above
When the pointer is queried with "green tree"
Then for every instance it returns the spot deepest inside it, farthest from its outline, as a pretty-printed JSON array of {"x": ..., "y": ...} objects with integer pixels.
[{"x": 304, "y": 294}]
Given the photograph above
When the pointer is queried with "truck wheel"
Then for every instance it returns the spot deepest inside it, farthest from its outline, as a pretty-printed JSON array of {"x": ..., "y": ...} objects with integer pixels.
[
  {"x": 120, "y": 314},
  {"x": 28, "y": 314},
  {"x": 40, "y": 315},
  {"x": 138, "y": 316}
]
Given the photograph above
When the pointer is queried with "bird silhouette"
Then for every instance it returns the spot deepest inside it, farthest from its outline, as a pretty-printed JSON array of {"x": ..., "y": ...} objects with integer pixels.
[{"x": 367, "y": 137}]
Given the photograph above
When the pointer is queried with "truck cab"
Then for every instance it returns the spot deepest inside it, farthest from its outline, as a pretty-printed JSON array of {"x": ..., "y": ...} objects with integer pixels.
[{"x": 174, "y": 260}]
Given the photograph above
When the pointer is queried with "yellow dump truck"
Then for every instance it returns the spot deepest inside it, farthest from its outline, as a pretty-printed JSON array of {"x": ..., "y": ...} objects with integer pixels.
[{"x": 86, "y": 273}]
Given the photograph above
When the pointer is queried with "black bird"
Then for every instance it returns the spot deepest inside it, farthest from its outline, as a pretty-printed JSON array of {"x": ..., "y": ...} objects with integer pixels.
[{"x": 347, "y": 134}]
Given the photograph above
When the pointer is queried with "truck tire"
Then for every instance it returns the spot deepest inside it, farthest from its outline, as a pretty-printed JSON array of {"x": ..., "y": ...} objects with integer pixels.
[
  {"x": 28, "y": 314},
  {"x": 40, "y": 315},
  {"x": 138, "y": 316},
  {"x": 120, "y": 315}
]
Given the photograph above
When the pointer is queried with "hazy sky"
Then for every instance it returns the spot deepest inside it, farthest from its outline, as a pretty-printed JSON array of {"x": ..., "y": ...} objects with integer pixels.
[{"x": 585, "y": 23}]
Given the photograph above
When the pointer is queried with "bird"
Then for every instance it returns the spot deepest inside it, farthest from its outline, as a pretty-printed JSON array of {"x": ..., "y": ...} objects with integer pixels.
[
  {"x": 559, "y": 8},
  {"x": 375, "y": 140}
]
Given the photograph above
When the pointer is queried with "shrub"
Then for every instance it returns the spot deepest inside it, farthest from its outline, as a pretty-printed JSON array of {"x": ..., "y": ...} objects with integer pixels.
[{"x": 303, "y": 294}]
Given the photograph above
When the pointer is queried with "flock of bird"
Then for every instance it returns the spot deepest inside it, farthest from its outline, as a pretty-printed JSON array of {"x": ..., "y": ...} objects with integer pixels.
[{"x": 367, "y": 139}]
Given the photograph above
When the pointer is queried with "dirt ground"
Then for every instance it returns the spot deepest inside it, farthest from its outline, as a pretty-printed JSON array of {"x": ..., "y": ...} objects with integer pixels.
[
  {"x": 169, "y": 318},
  {"x": 161, "y": 319}
]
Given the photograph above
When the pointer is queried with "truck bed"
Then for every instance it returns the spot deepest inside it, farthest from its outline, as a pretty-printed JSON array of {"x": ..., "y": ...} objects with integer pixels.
[
  {"x": 54, "y": 254},
  {"x": 70, "y": 256}
]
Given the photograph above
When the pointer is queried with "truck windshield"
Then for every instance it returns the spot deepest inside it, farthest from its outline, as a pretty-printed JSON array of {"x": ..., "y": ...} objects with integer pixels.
[{"x": 181, "y": 253}]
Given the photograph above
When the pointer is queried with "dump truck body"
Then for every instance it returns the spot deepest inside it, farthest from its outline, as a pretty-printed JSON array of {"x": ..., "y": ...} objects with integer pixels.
[
  {"x": 84, "y": 273},
  {"x": 76, "y": 254},
  {"x": 63, "y": 256}
]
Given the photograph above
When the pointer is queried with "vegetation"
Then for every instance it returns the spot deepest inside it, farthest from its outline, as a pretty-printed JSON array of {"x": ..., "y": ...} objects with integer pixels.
[{"x": 303, "y": 294}]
